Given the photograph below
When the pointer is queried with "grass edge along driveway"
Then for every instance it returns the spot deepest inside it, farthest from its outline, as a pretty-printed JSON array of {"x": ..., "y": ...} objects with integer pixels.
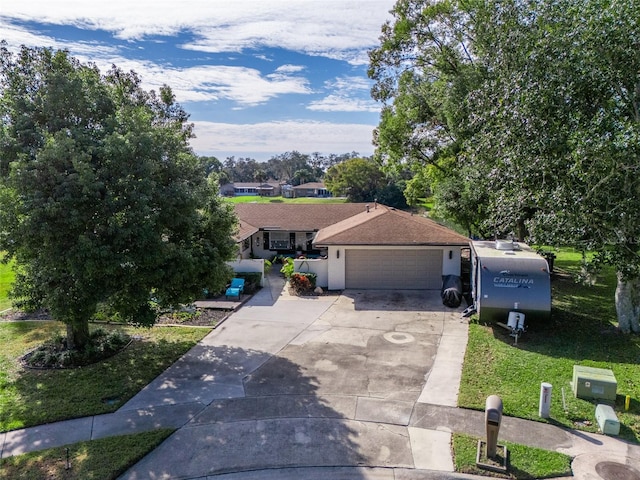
[{"x": 34, "y": 397}]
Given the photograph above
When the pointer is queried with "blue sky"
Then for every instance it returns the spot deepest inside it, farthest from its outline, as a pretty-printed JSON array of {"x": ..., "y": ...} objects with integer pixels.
[{"x": 259, "y": 77}]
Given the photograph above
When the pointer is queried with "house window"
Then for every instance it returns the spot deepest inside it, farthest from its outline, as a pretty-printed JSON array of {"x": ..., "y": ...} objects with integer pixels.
[
  {"x": 279, "y": 241},
  {"x": 246, "y": 244}
]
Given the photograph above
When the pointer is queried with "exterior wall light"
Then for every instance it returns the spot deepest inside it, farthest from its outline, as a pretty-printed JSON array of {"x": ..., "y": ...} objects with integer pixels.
[{"x": 337, "y": 253}]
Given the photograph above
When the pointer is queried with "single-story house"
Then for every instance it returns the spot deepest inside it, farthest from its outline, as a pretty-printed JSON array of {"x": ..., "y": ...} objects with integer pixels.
[
  {"x": 265, "y": 189},
  {"x": 353, "y": 245},
  {"x": 311, "y": 189}
]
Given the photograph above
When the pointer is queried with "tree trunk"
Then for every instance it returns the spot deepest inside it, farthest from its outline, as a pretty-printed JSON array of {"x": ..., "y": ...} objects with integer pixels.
[
  {"x": 77, "y": 335},
  {"x": 522, "y": 230},
  {"x": 628, "y": 304}
]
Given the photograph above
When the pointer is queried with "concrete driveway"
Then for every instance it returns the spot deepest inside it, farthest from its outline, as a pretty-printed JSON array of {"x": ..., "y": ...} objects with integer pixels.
[{"x": 321, "y": 387}]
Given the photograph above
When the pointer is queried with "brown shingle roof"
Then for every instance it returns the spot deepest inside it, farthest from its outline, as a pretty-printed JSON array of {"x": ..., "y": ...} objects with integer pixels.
[
  {"x": 346, "y": 224},
  {"x": 387, "y": 226},
  {"x": 294, "y": 217},
  {"x": 244, "y": 230},
  {"x": 310, "y": 186}
]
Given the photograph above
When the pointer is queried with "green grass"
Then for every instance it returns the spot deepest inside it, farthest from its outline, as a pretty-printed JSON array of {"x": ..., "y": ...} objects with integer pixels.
[
  {"x": 580, "y": 332},
  {"x": 34, "y": 397},
  {"x": 103, "y": 459},
  {"x": 259, "y": 199},
  {"x": 6, "y": 280},
  {"x": 524, "y": 462}
]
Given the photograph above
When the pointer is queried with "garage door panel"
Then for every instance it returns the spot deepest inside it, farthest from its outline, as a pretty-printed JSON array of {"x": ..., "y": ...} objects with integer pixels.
[{"x": 393, "y": 269}]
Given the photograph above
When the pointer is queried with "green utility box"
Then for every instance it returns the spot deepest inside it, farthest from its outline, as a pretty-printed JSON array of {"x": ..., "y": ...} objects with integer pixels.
[
  {"x": 607, "y": 420},
  {"x": 598, "y": 383}
]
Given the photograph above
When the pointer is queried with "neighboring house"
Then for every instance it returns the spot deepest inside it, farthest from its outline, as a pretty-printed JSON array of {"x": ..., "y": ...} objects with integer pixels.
[
  {"x": 311, "y": 189},
  {"x": 353, "y": 245},
  {"x": 266, "y": 189}
]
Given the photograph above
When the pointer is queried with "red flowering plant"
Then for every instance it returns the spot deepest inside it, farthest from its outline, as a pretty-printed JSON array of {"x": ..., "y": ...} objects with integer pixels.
[{"x": 301, "y": 283}]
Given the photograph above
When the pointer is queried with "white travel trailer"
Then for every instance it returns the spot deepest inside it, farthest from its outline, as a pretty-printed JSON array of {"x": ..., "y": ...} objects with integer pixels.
[{"x": 509, "y": 277}]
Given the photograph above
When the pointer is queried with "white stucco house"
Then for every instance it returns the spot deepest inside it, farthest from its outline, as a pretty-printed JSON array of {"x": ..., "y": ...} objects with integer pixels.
[{"x": 352, "y": 245}]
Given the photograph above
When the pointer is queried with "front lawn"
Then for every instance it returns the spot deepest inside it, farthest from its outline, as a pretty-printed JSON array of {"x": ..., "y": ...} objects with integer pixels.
[
  {"x": 524, "y": 462},
  {"x": 581, "y": 332},
  {"x": 6, "y": 280},
  {"x": 103, "y": 459},
  {"x": 34, "y": 397}
]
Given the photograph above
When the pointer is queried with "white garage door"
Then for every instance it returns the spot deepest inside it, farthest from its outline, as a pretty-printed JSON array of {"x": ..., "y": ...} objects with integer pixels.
[{"x": 393, "y": 269}]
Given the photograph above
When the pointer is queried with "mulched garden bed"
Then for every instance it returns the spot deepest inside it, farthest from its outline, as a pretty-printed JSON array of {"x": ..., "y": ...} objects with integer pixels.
[{"x": 202, "y": 317}]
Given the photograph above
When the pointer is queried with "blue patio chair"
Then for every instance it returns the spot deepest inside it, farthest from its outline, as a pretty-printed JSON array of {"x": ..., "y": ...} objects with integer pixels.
[
  {"x": 237, "y": 283},
  {"x": 235, "y": 289}
]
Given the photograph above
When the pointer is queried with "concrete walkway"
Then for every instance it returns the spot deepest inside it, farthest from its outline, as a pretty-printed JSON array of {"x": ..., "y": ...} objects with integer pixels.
[{"x": 318, "y": 387}]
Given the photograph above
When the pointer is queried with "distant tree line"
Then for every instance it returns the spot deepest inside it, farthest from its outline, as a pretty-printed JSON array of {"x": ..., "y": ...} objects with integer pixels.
[
  {"x": 292, "y": 167},
  {"x": 360, "y": 179}
]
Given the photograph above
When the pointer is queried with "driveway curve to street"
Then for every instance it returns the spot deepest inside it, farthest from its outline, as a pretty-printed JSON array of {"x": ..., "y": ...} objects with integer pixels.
[{"x": 319, "y": 387}]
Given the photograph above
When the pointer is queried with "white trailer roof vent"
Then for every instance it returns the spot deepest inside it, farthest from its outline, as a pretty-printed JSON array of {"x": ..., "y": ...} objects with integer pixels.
[{"x": 505, "y": 245}]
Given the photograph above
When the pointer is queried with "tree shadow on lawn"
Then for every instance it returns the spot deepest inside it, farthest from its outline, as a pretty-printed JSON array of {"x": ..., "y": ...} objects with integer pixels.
[
  {"x": 35, "y": 397},
  {"x": 575, "y": 337},
  {"x": 33, "y": 331},
  {"x": 548, "y": 352},
  {"x": 580, "y": 327}
]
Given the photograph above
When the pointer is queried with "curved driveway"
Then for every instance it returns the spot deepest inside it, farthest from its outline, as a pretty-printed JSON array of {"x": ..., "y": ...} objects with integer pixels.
[{"x": 324, "y": 386}]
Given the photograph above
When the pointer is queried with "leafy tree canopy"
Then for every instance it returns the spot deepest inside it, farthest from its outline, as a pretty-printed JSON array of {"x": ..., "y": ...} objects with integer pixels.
[
  {"x": 362, "y": 180},
  {"x": 524, "y": 117},
  {"x": 102, "y": 200},
  {"x": 424, "y": 70}
]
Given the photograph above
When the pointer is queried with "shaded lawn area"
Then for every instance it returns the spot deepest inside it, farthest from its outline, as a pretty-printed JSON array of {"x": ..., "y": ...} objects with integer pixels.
[
  {"x": 6, "y": 280},
  {"x": 581, "y": 332},
  {"x": 103, "y": 459},
  {"x": 34, "y": 397}
]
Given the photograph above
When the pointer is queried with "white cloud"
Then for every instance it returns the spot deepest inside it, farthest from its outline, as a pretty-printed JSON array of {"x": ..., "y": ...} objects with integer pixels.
[
  {"x": 348, "y": 94},
  {"x": 244, "y": 86},
  {"x": 290, "y": 68},
  {"x": 336, "y": 29},
  {"x": 332, "y": 28},
  {"x": 350, "y": 84},
  {"x": 262, "y": 140},
  {"x": 339, "y": 103}
]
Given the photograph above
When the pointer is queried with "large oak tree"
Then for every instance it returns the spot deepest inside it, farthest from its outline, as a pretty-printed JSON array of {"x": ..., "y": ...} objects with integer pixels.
[
  {"x": 424, "y": 69},
  {"x": 534, "y": 108},
  {"x": 558, "y": 129},
  {"x": 102, "y": 200}
]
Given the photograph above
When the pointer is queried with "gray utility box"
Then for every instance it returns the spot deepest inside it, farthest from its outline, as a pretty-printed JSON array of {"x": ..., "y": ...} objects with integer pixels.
[
  {"x": 598, "y": 383},
  {"x": 607, "y": 420}
]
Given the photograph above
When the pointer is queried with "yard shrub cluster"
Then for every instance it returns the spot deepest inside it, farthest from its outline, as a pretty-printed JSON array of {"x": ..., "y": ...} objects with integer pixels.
[
  {"x": 287, "y": 267},
  {"x": 55, "y": 353},
  {"x": 302, "y": 282}
]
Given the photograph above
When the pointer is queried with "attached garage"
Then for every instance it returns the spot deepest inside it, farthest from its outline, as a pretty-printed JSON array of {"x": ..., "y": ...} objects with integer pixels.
[
  {"x": 414, "y": 269},
  {"x": 386, "y": 249}
]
